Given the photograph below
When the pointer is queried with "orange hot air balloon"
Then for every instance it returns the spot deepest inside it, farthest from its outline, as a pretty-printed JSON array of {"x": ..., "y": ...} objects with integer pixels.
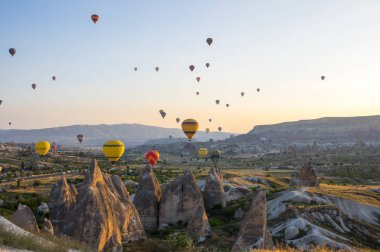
[
  {"x": 190, "y": 127},
  {"x": 198, "y": 79},
  {"x": 94, "y": 18},
  {"x": 192, "y": 67},
  {"x": 152, "y": 157},
  {"x": 12, "y": 51}
]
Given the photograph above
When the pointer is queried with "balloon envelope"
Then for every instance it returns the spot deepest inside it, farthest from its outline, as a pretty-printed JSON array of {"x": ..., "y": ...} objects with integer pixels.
[
  {"x": 198, "y": 79},
  {"x": 113, "y": 150},
  {"x": 197, "y": 93},
  {"x": 42, "y": 148},
  {"x": 217, "y": 102},
  {"x": 242, "y": 93},
  {"x": 162, "y": 113},
  {"x": 12, "y": 51},
  {"x": 177, "y": 120},
  {"x": 207, "y": 130},
  {"x": 207, "y": 65},
  {"x": 202, "y": 152},
  {"x": 152, "y": 157},
  {"x": 323, "y": 77},
  {"x": 258, "y": 90},
  {"x": 192, "y": 67},
  {"x": 53, "y": 78},
  {"x": 209, "y": 41},
  {"x": 34, "y": 86},
  {"x": 157, "y": 68},
  {"x": 94, "y": 18},
  {"x": 190, "y": 127},
  {"x": 80, "y": 137}
]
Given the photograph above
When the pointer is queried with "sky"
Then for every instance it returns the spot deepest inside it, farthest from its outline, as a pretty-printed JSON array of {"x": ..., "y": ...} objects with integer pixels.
[{"x": 282, "y": 47}]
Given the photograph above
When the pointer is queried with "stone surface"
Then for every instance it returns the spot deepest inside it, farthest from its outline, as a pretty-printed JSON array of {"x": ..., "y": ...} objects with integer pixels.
[
  {"x": 147, "y": 198},
  {"x": 61, "y": 201},
  {"x": 198, "y": 225},
  {"x": 180, "y": 200},
  {"x": 25, "y": 219},
  {"x": 43, "y": 208},
  {"x": 254, "y": 232},
  {"x": 239, "y": 214},
  {"x": 306, "y": 177},
  {"x": 213, "y": 194},
  {"x": 103, "y": 215},
  {"x": 48, "y": 227},
  {"x": 291, "y": 233}
]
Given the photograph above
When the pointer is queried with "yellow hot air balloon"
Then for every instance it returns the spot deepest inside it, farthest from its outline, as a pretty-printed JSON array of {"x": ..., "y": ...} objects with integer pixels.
[
  {"x": 202, "y": 152},
  {"x": 113, "y": 150},
  {"x": 190, "y": 127},
  {"x": 42, "y": 148}
]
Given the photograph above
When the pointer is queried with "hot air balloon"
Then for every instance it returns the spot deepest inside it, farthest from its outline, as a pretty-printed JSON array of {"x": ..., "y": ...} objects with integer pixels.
[
  {"x": 1, "y": 102},
  {"x": 170, "y": 136},
  {"x": 227, "y": 105},
  {"x": 197, "y": 93},
  {"x": 207, "y": 65},
  {"x": 220, "y": 129},
  {"x": 53, "y": 78},
  {"x": 192, "y": 67},
  {"x": 209, "y": 41},
  {"x": 210, "y": 120},
  {"x": 152, "y": 157},
  {"x": 34, "y": 86},
  {"x": 258, "y": 90},
  {"x": 198, "y": 79},
  {"x": 207, "y": 130},
  {"x": 135, "y": 69},
  {"x": 162, "y": 113},
  {"x": 242, "y": 94},
  {"x": 113, "y": 150},
  {"x": 94, "y": 18},
  {"x": 177, "y": 120},
  {"x": 323, "y": 77},
  {"x": 9, "y": 123},
  {"x": 190, "y": 127},
  {"x": 217, "y": 102},
  {"x": 12, "y": 51},
  {"x": 54, "y": 146},
  {"x": 202, "y": 152},
  {"x": 157, "y": 68},
  {"x": 215, "y": 156},
  {"x": 42, "y": 148},
  {"x": 80, "y": 138}
]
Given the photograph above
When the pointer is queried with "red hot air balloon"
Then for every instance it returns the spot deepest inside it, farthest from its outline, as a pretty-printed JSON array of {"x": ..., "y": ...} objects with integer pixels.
[
  {"x": 80, "y": 138},
  {"x": 94, "y": 18},
  {"x": 12, "y": 51},
  {"x": 198, "y": 79},
  {"x": 209, "y": 41},
  {"x": 191, "y": 67},
  {"x": 152, "y": 157}
]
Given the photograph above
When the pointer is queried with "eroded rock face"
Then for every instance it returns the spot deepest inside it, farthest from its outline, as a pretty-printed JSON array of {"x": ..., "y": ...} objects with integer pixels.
[
  {"x": 147, "y": 198},
  {"x": 214, "y": 193},
  {"x": 61, "y": 201},
  {"x": 198, "y": 225},
  {"x": 180, "y": 200},
  {"x": 306, "y": 177},
  {"x": 103, "y": 215},
  {"x": 48, "y": 227},
  {"x": 254, "y": 232},
  {"x": 25, "y": 219}
]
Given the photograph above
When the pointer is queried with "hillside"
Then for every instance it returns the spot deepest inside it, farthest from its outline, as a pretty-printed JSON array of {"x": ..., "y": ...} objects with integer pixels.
[
  {"x": 334, "y": 130},
  {"x": 96, "y": 135}
]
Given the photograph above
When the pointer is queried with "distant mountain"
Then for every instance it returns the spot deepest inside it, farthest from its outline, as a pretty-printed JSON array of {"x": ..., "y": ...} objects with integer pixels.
[
  {"x": 96, "y": 135},
  {"x": 339, "y": 130}
]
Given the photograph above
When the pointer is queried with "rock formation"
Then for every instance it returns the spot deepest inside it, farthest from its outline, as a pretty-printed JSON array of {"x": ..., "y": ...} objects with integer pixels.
[
  {"x": 198, "y": 225},
  {"x": 147, "y": 198},
  {"x": 239, "y": 214},
  {"x": 306, "y": 177},
  {"x": 48, "y": 227},
  {"x": 254, "y": 232},
  {"x": 61, "y": 201},
  {"x": 214, "y": 193},
  {"x": 180, "y": 201},
  {"x": 25, "y": 219},
  {"x": 43, "y": 208},
  {"x": 103, "y": 216}
]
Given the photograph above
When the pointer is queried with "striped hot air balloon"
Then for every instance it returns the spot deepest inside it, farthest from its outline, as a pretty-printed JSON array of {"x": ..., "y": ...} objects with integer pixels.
[
  {"x": 113, "y": 150},
  {"x": 152, "y": 157},
  {"x": 215, "y": 156},
  {"x": 190, "y": 127}
]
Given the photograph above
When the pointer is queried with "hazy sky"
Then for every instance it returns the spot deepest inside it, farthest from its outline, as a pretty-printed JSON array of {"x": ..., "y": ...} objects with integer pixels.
[{"x": 282, "y": 47}]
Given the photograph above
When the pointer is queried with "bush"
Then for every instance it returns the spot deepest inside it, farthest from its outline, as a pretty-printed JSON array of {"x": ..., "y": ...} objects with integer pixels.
[
  {"x": 216, "y": 222},
  {"x": 36, "y": 183}
]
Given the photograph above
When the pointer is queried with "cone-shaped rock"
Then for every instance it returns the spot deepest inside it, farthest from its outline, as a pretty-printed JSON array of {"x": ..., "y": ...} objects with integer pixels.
[
  {"x": 104, "y": 216},
  {"x": 198, "y": 225},
  {"x": 254, "y": 232},
  {"x": 214, "y": 193},
  {"x": 25, "y": 219},
  {"x": 180, "y": 200},
  {"x": 48, "y": 227},
  {"x": 147, "y": 198},
  {"x": 61, "y": 201},
  {"x": 307, "y": 177}
]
